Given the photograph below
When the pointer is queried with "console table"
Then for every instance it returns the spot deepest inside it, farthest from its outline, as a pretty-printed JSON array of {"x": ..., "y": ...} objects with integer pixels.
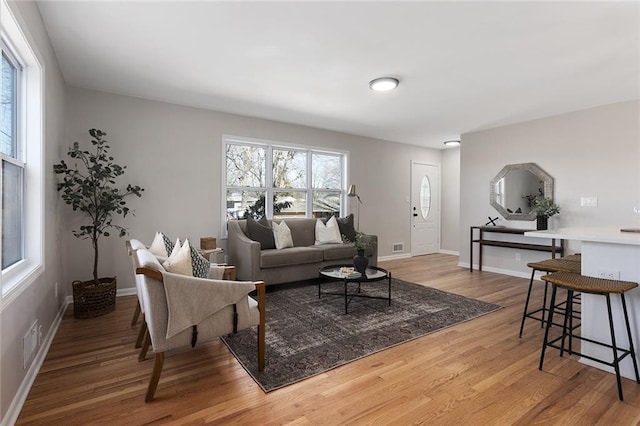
[{"x": 483, "y": 241}]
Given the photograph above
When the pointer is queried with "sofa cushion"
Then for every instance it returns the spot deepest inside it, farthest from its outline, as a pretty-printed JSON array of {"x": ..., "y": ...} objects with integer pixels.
[
  {"x": 261, "y": 232},
  {"x": 290, "y": 256},
  {"x": 282, "y": 235},
  {"x": 337, "y": 251}
]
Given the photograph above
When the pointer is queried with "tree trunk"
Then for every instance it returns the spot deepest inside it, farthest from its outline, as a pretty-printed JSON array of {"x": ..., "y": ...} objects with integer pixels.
[{"x": 94, "y": 241}]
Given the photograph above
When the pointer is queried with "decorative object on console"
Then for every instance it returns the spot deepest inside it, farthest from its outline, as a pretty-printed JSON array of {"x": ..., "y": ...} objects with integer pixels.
[
  {"x": 96, "y": 175},
  {"x": 352, "y": 193},
  {"x": 492, "y": 221},
  {"x": 544, "y": 208}
]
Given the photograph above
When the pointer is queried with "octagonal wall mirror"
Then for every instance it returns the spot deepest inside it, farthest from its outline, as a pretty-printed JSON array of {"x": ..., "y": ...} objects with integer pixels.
[{"x": 512, "y": 190}]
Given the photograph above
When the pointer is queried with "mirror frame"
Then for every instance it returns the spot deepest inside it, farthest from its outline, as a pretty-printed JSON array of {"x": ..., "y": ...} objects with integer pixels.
[{"x": 535, "y": 170}]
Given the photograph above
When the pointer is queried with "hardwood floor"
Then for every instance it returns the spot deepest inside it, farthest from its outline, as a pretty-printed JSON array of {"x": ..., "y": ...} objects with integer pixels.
[{"x": 478, "y": 372}]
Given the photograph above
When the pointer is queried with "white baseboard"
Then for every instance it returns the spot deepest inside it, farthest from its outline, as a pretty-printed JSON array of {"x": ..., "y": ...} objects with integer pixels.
[
  {"x": 451, "y": 252},
  {"x": 21, "y": 396},
  {"x": 395, "y": 257},
  {"x": 126, "y": 292}
]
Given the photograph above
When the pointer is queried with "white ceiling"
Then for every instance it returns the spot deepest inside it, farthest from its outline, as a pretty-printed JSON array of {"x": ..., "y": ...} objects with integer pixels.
[{"x": 463, "y": 66}]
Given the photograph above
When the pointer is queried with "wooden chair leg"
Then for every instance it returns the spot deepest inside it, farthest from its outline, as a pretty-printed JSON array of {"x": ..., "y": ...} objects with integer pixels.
[
  {"x": 136, "y": 314},
  {"x": 261, "y": 331},
  {"x": 145, "y": 347},
  {"x": 141, "y": 333},
  {"x": 155, "y": 377}
]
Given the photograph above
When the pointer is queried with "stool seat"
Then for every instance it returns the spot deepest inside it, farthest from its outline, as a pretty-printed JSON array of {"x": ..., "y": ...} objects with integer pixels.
[
  {"x": 572, "y": 257},
  {"x": 556, "y": 265},
  {"x": 583, "y": 284},
  {"x": 548, "y": 265},
  {"x": 572, "y": 282}
]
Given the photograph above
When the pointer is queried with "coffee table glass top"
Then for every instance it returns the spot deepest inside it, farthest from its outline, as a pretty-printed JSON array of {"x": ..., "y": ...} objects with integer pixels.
[{"x": 373, "y": 273}]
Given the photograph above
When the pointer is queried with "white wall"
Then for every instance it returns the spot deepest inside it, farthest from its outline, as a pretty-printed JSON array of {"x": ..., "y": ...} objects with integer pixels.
[
  {"x": 38, "y": 300},
  {"x": 174, "y": 152},
  {"x": 595, "y": 152},
  {"x": 450, "y": 213}
]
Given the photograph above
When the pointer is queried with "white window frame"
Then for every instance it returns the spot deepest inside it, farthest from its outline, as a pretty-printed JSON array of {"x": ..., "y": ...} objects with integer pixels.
[
  {"x": 17, "y": 277},
  {"x": 268, "y": 188}
]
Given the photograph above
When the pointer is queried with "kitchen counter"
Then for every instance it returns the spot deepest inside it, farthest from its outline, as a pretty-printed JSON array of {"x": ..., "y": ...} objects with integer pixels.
[{"x": 606, "y": 253}]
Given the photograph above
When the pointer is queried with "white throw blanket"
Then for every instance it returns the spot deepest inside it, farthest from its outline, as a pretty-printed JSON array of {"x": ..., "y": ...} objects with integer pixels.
[{"x": 191, "y": 300}]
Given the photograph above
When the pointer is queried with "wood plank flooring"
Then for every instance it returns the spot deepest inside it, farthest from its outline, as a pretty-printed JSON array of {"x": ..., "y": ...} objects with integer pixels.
[{"x": 474, "y": 373}]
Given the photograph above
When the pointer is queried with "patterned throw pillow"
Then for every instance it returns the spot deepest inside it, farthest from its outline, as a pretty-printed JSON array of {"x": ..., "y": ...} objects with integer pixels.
[
  {"x": 347, "y": 228},
  {"x": 282, "y": 235},
  {"x": 261, "y": 232},
  {"x": 199, "y": 264},
  {"x": 168, "y": 245},
  {"x": 329, "y": 233}
]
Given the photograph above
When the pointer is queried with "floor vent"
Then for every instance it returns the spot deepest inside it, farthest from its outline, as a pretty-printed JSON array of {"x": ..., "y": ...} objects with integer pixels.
[{"x": 397, "y": 247}]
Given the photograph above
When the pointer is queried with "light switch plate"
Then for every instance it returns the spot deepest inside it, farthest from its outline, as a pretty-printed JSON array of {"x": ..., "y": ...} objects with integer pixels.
[{"x": 588, "y": 201}]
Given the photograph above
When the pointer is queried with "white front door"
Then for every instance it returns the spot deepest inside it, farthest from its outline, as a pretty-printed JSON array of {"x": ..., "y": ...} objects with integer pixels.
[{"x": 425, "y": 209}]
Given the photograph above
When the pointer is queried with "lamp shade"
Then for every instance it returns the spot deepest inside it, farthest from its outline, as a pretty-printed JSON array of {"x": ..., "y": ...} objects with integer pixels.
[{"x": 352, "y": 191}]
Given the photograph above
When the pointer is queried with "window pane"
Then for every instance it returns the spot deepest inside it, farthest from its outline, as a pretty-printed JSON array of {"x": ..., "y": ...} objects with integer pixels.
[
  {"x": 289, "y": 169},
  {"x": 240, "y": 203},
  {"x": 425, "y": 197},
  {"x": 326, "y": 204},
  {"x": 12, "y": 244},
  {"x": 9, "y": 108},
  {"x": 327, "y": 173},
  {"x": 289, "y": 204},
  {"x": 246, "y": 166}
]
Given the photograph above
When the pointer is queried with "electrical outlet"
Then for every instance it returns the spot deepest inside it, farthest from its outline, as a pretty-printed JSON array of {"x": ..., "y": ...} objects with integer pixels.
[
  {"x": 518, "y": 256},
  {"x": 609, "y": 274}
]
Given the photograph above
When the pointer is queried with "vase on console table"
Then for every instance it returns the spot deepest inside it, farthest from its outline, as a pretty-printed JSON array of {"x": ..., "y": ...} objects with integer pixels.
[
  {"x": 360, "y": 262},
  {"x": 542, "y": 223}
]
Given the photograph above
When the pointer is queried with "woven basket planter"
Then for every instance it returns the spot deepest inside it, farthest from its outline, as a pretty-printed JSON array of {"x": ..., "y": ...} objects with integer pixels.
[{"x": 92, "y": 300}]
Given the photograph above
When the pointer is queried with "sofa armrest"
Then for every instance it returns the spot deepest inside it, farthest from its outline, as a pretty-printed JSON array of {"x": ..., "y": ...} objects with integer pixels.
[{"x": 244, "y": 253}]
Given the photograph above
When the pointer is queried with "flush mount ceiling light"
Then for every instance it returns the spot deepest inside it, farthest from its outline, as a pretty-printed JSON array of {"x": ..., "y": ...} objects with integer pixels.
[
  {"x": 451, "y": 143},
  {"x": 383, "y": 84}
]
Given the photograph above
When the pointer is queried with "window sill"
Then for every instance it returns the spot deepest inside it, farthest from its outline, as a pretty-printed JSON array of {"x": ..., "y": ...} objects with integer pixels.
[{"x": 16, "y": 279}]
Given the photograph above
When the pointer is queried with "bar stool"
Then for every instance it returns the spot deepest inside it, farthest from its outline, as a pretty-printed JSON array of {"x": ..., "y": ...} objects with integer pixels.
[
  {"x": 576, "y": 282},
  {"x": 548, "y": 266}
]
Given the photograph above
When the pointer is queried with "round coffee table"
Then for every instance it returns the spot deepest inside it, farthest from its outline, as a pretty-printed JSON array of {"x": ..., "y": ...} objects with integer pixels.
[{"x": 372, "y": 274}]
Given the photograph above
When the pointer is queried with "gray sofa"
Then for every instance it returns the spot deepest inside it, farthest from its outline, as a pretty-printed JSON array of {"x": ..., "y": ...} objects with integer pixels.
[{"x": 297, "y": 263}]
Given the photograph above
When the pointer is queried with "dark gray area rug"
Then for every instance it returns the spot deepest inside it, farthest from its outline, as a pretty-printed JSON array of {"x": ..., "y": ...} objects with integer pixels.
[{"x": 306, "y": 336}]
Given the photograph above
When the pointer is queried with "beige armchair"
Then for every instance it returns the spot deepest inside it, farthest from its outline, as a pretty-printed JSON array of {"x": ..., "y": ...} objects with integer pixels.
[
  {"x": 133, "y": 245},
  {"x": 183, "y": 311}
]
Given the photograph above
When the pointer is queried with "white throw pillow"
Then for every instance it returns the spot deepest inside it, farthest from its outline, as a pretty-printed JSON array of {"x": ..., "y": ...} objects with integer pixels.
[
  {"x": 174, "y": 253},
  {"x": 157, "y": 246},
  {"x": 329, "y": 233},
  {"x": 181, "y": 263},
  {"x": 282, "y": 235}
]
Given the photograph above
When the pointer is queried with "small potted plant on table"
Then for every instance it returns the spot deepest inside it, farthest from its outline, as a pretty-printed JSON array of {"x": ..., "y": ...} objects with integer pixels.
[
  {"x": 544, "y": 208},
  {"x": 89, "y": 188}
]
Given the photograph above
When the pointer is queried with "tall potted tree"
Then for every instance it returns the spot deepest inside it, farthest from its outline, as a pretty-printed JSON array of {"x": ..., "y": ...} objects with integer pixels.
[{"x": 89, "y": 186}]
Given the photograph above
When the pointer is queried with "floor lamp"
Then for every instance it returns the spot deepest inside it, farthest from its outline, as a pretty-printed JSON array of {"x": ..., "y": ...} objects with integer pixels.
[{"x": 352, "y": 193}]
